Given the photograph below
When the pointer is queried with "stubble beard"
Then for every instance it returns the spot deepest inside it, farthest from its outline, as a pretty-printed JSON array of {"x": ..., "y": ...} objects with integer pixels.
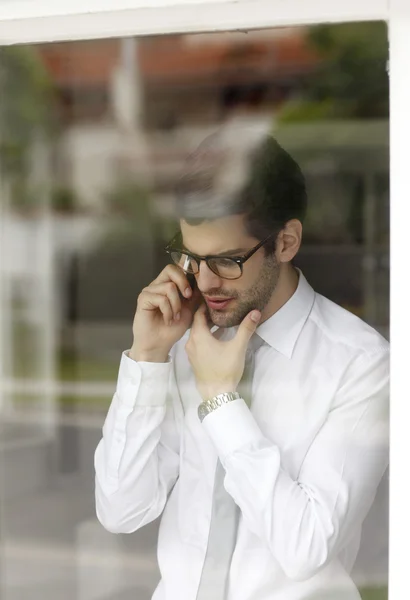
[{"x": 256, "y": 297}]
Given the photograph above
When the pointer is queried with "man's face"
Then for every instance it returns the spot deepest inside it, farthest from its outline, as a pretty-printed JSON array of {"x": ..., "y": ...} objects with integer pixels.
[{"x": 253, "y": 290}]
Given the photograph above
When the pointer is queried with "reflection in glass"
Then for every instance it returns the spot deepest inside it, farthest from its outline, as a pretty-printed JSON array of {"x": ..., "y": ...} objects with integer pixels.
[{"x": 93, "y": 136}]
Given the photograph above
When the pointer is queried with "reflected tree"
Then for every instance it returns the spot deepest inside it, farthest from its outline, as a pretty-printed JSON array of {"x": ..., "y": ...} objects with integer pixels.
[
  {"x": 351, "y": 80},
  {"x": 26, "y": 116}
]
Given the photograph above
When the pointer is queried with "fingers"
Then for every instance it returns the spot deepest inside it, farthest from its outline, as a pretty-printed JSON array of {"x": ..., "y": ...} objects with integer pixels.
[
  {"x": 178, "y": 277},
  {"x": 247, "y": 328},
  {"x": 199, "y": 323},
  {"x": 200, "y": 319},
  {"x": 169, "y": 290},
  {"x": 170, "y": 283},
  {"x": 151, "y": 301}
]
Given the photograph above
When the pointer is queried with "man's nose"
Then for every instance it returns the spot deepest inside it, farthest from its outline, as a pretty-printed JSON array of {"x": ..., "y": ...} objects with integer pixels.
[{"x": 207, "y": 279}]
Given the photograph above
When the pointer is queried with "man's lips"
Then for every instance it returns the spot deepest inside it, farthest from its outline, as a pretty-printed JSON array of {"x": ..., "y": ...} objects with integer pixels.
[{"x": 218, "y": 303}]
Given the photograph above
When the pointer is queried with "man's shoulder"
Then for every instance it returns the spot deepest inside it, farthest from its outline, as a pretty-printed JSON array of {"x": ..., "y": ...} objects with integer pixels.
[{"x": 342, "y": 327}]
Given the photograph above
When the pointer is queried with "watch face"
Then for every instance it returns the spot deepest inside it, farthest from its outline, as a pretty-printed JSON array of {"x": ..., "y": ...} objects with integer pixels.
[{"x": 202, "y": 411}]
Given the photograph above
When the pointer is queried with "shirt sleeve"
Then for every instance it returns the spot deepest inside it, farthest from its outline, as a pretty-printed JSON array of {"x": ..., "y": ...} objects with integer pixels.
[
  {"x": 307, "y": 522},
  {"x": 137, "y": 460}
]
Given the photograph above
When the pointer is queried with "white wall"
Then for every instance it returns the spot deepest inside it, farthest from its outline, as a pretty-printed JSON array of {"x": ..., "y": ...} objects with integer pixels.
[{"x": 91, "y": 153}]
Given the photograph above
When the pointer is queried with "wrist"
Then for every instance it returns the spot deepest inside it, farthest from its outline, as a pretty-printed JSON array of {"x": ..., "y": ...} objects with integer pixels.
[
  {"x": 156, "y": 356},
  {"x": 209, "y": 392}
]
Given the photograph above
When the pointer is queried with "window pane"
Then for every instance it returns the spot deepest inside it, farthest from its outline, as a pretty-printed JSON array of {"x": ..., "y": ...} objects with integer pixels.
[{"x": 94, "y": 138}]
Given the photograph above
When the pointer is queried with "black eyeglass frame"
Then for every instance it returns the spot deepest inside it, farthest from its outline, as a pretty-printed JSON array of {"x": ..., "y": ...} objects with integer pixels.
[{"x": 239, "y": 260}]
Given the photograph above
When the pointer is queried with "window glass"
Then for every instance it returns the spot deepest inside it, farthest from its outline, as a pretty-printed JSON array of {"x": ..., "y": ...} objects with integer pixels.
[{"x": 94, "y": 136}]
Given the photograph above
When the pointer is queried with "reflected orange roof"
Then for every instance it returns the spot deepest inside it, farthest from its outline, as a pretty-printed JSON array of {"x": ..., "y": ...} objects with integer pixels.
[
  {"x": 168, "y": 59},
  {"x": 80, "y": 63}
]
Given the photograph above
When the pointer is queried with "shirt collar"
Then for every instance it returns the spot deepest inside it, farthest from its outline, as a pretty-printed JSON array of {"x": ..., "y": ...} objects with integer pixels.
[{"x": 283, "y": 328}]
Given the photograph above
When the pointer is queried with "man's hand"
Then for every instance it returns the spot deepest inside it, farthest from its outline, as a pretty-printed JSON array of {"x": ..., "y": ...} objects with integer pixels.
[
  {"x": 164, "y": 312},
  {"x": 218, "y": 366}
]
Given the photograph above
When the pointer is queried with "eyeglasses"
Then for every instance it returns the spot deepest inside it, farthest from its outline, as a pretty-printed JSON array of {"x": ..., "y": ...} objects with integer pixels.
[{"x": 226, "y": 267}]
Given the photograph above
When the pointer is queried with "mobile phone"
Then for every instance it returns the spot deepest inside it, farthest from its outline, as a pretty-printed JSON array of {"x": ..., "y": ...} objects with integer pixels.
[{"x": 192, "y": 280}]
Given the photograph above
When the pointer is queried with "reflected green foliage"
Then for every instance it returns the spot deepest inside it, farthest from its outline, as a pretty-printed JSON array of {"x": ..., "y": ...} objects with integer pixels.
[
  {"x": 131, "y": 204},
  {"x": 78, "y": 368},
  {"x": 374, "y": 593},
  {"x": 70, "y": 366},
  {"x": 25, "y": 104},
  {"x": 63, "y": 199},
  {"x": 84, "y": 403},
  {"x": 351, "y": 80},
  {"x": 26, "y": 116}
]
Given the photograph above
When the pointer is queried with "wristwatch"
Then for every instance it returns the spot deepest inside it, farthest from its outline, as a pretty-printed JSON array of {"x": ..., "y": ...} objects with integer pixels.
[{"x": 208, "y": 406}]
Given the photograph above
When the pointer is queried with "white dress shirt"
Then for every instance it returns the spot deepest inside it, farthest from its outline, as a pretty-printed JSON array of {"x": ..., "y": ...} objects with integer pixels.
[{"x": 303, "y": 464}]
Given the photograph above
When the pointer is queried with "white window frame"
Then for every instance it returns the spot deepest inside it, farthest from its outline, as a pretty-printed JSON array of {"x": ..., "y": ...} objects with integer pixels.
[
  {"x": 30, "y": 21},
  {"x": 45, "y": 20}
]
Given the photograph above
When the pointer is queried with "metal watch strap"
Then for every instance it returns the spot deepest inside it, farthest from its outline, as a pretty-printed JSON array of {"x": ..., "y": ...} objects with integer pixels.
[{"x": 208, "y": 406}]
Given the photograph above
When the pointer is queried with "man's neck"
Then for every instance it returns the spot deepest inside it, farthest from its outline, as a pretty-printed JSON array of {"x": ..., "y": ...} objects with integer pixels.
[{"x": 286, "y": 287}]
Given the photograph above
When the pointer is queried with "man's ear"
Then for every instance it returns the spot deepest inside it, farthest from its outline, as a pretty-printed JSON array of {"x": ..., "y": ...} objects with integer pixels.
[{"x": 289, "y": 241}]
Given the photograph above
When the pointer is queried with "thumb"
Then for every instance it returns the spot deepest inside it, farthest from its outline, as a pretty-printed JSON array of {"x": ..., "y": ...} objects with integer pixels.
[
  {"x": 248, "y": 327},
  {"x": 199, "y": 320}
]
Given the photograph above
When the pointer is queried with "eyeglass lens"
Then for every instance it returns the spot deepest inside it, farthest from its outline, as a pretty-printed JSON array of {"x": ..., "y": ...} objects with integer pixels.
[{"x": 224, "y": 267}]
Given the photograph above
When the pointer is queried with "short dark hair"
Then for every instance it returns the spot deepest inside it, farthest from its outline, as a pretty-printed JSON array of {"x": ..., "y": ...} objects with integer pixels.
[{"x": 251, "y": 175}]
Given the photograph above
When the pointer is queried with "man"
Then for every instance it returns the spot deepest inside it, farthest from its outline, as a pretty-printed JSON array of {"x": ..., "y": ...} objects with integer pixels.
[{"x": 302, "y": 455}]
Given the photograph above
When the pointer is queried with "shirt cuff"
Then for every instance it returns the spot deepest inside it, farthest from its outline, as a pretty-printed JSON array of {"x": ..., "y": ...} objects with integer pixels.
[
  {"x": 231, "y": 426},
  {"x": 143, "y": 383}
]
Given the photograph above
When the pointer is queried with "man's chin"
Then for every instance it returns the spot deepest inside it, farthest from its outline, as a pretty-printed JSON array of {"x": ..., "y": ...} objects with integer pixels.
[{"x": 223, "y": 319}]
